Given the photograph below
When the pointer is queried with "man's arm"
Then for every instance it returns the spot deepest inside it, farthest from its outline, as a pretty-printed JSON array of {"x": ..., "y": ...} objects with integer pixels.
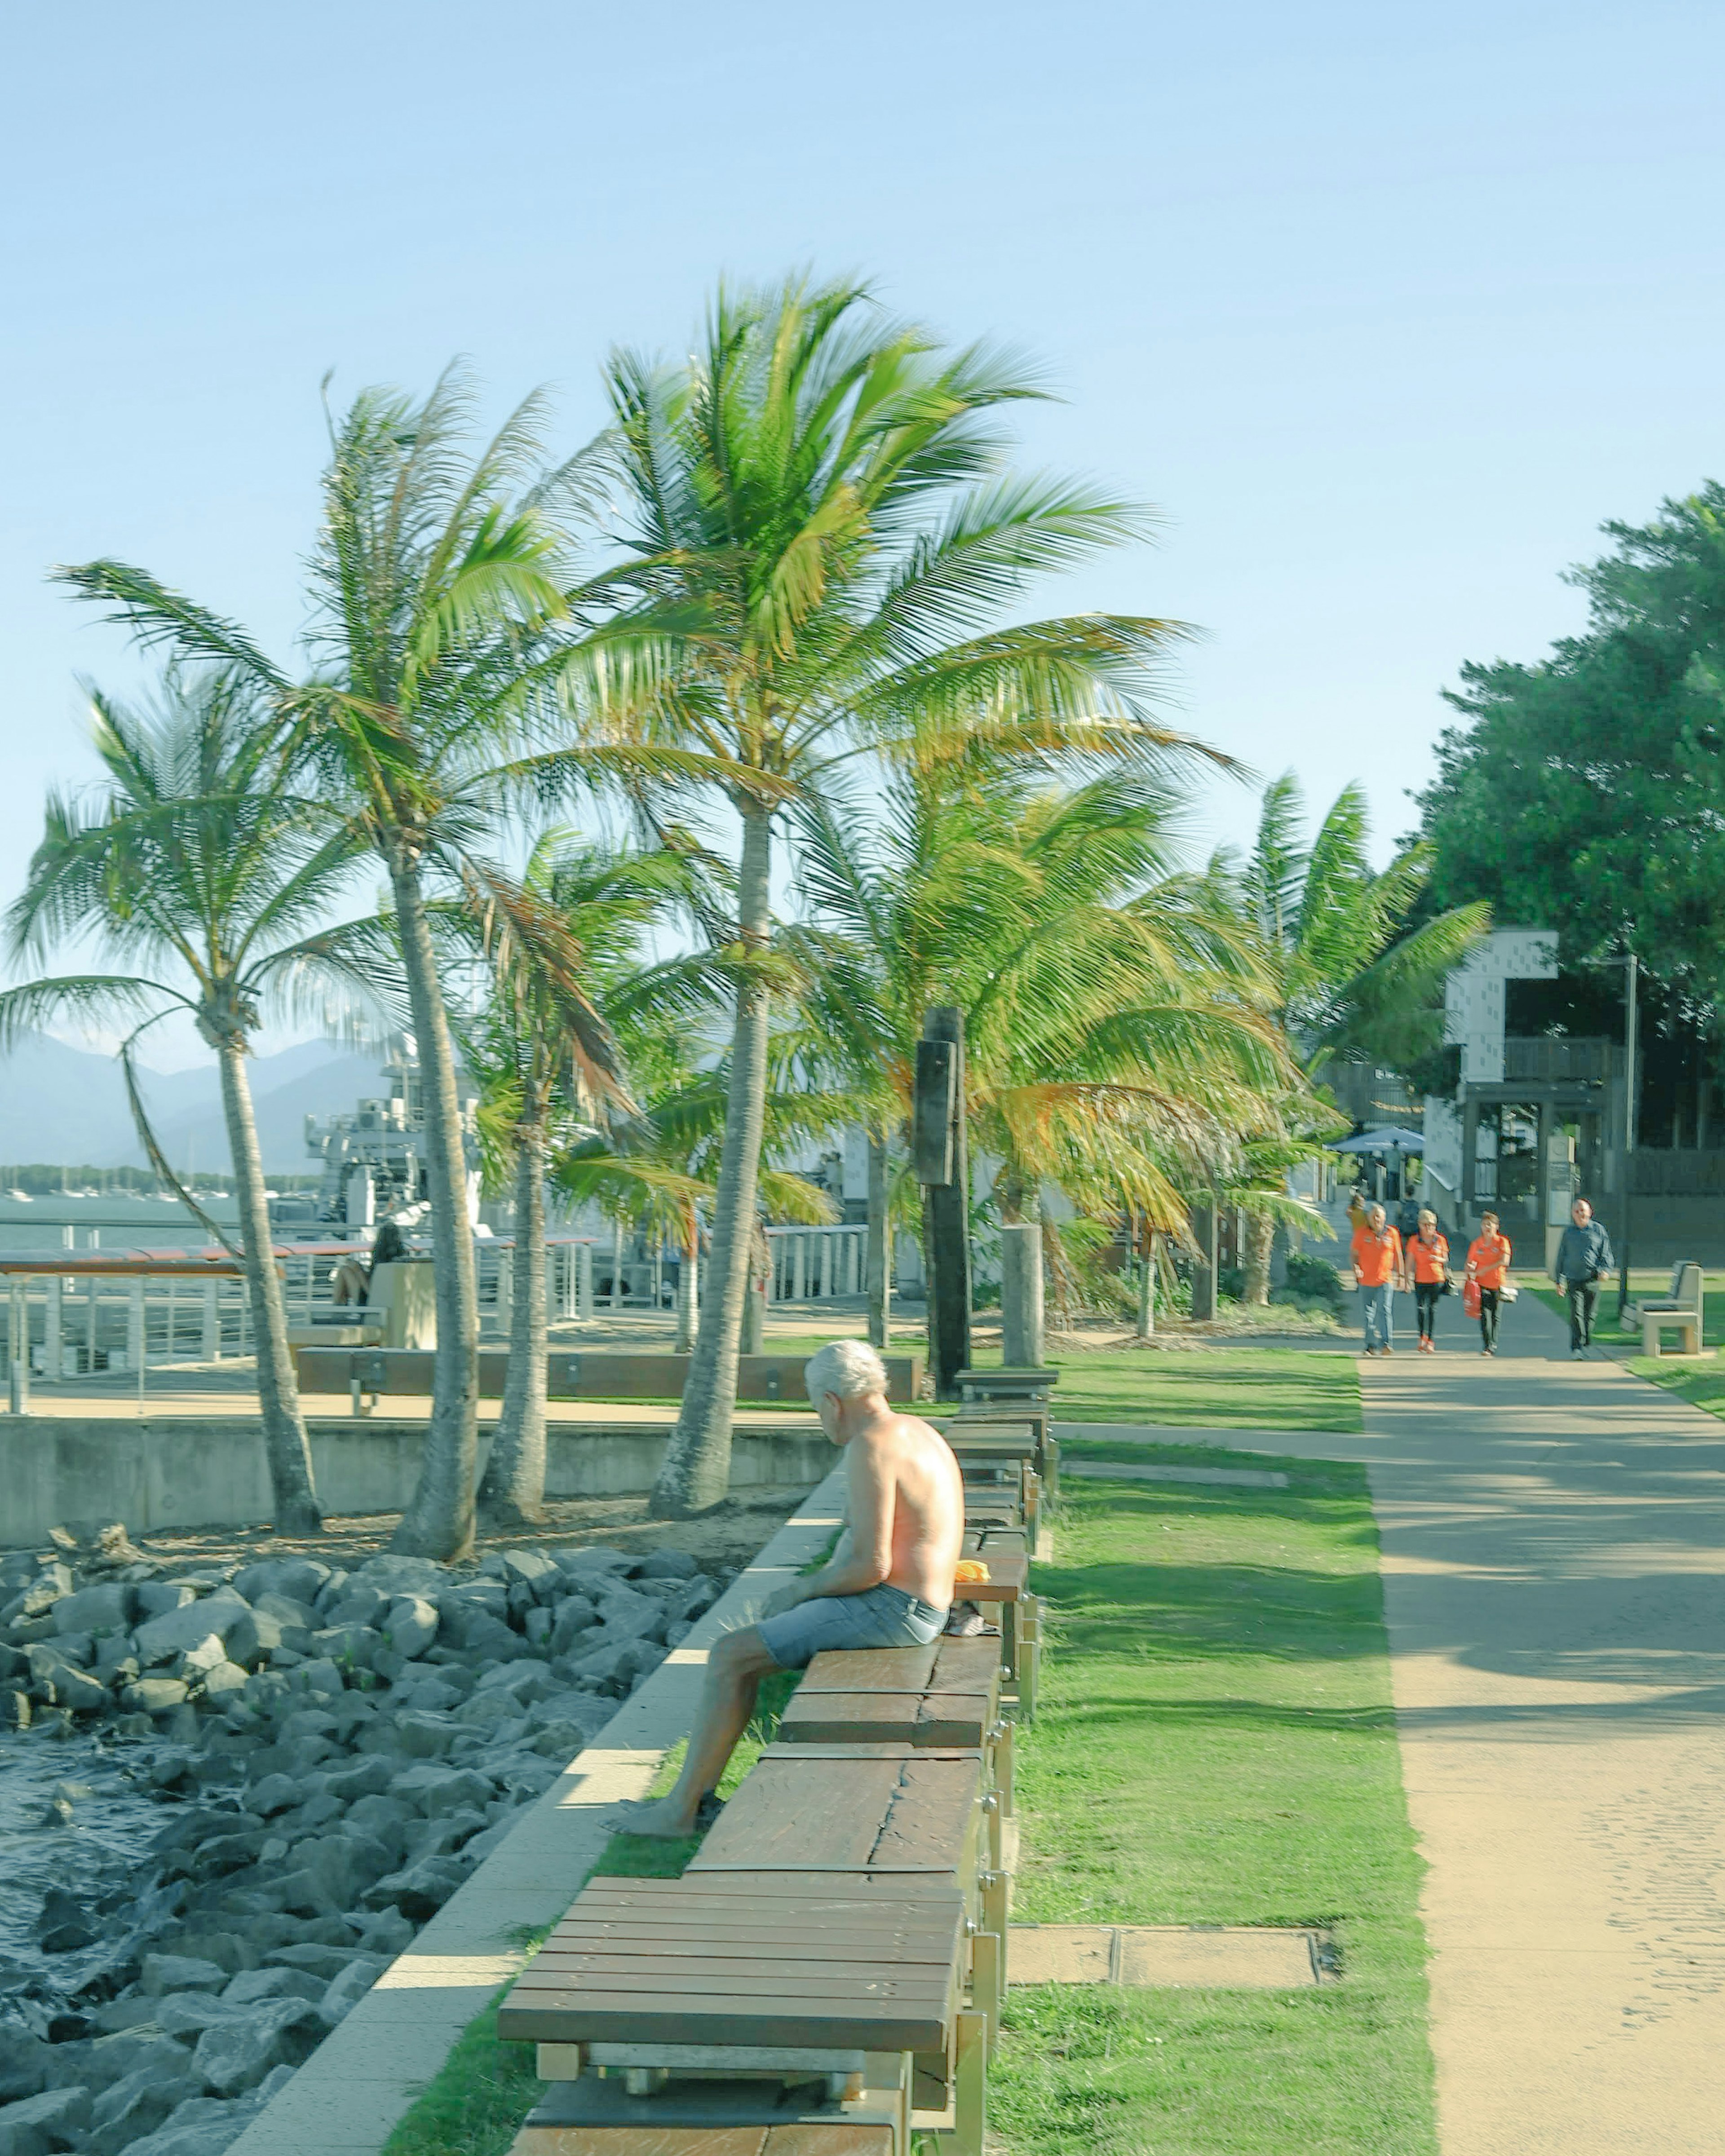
[{"x": 863, "y": 1556}]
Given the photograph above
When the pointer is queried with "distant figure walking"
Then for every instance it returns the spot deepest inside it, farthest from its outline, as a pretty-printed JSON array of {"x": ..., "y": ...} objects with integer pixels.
[
  {"x": 1584, "y": 1255},
  {"x": 1377, "y": 1267},
  {"x": 1488, "y": 1269},
  {"x": 1428, "y": 1256}
]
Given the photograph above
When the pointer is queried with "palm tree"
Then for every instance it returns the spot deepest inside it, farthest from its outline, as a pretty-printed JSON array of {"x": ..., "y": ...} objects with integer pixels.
[
  {"x": 435, "y": 592},
  {"x": 1353, "y": 982},
  {"x": 190, "y": 860},
  {"x": 547, "y": 1064},
  {"x": 822, "y": 538},
  {"x": 1115, "y": 1030}
]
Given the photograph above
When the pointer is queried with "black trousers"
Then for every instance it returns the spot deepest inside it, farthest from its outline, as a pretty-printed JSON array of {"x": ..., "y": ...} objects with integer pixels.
[
  {"x": 1425, "y": 1303},
  {"x": 1488, "y": 1315},
  {"x": 1584, "y": 1298}
]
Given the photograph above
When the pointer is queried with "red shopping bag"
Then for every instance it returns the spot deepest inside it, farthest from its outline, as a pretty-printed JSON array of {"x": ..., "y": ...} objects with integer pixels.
[{"x": 1471, "y": 1298}]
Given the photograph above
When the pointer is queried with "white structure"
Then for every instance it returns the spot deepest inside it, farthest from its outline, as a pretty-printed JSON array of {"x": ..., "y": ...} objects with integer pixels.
[{"x": 1474, "y": 996}]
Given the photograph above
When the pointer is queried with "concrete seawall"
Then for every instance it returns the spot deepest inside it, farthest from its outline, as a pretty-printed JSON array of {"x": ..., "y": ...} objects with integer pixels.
[{"x": 205, "y": 1471}]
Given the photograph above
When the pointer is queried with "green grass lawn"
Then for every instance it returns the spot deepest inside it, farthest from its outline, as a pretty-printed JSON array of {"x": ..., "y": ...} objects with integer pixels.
[
  {"x": 1225, "y": 1387},
  {"x": 1216, "y": 1746},
  {"x": 1703, "y": 1384}
]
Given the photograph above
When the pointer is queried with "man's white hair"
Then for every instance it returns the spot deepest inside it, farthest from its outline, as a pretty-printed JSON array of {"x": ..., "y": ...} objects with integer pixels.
[{"x": 848, "y": 1367}]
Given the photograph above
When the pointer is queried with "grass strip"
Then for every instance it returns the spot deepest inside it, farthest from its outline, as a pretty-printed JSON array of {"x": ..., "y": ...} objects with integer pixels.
[
  {"x": 1216, "y": 1746},
  {"x": 1226, "y": 1387}
]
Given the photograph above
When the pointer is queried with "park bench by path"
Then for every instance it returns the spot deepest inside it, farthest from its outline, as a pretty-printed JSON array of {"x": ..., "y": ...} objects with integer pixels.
[
  {"x": 1003, "y": 1487},
  {"x": 977, "y": 1421},
  {"x": 808, "y": 1968},
  {"x": 1007, "y": 1590},
  {"x": 1679, "y": 1309},
  {"x": 935, "y": 1697}
]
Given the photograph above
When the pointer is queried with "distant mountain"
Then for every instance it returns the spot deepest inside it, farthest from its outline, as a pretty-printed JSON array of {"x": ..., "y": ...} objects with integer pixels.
[{"x": 58, "y": 1103}]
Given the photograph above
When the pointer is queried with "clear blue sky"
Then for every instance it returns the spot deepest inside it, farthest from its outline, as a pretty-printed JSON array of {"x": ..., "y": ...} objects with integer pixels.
[{"x": 1385, "y": 308}]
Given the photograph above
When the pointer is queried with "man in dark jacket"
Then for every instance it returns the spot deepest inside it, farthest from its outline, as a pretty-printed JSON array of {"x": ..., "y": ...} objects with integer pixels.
[{"x": 1584, "y": 1256}]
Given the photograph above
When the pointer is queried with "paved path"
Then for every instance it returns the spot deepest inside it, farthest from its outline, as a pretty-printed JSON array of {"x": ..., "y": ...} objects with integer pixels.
[{"x": 1554, "y": 1541}]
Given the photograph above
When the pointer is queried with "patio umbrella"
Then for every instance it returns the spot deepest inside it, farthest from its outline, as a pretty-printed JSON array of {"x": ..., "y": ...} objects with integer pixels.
[{"x": 1385, "y": 1141}]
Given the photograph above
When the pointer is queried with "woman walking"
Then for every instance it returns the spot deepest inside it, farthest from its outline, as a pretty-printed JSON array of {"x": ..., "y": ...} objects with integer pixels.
[
  {"x": 1428, "y": 1255},
  {"x": 1488, "y": 1269}
]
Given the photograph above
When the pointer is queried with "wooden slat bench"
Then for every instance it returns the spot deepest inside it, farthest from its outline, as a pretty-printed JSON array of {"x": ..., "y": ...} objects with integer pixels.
[
  {"x": 944, "y": 1697},
  {"x": 1008, "y": 1588},
  {"x": 688, "y": 2006},
  {"x": 888, "y": 1820},
  {"x": 980, "y": 1419}
]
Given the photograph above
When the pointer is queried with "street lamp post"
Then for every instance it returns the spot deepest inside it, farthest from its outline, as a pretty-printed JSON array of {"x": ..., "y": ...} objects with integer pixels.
[{"x": 1631, "y": 973}]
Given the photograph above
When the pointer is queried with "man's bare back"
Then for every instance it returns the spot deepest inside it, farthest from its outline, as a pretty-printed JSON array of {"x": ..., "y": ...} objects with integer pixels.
[{"x": 905, "y": 1497}]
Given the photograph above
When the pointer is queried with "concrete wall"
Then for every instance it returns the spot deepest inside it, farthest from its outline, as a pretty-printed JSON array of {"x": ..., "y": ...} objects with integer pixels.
[{"x": 201, "y": 1472}]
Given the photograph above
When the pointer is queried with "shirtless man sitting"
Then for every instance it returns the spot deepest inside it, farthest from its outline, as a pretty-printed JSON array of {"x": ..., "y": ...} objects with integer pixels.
[{"x": 889, "y": 1584}]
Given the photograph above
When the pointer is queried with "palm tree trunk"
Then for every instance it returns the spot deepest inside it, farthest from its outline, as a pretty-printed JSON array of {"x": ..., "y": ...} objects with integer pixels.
[
  {"x": 689, "y": 1295},
  {"x": 512, "y": 1491},
  {"x": 286, "y": 1446},
  {"x": 878, "y": 1250},
  {"x": 1147, "y": 1289},
  {"x": 695, "y": 1473},
  {"x": 1259, "y": 1241},
  {"x": 439, "y": 1520}
]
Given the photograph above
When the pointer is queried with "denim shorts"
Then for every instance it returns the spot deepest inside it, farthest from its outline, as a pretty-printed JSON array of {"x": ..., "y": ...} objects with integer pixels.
[{"x": 882, "y": 1617}]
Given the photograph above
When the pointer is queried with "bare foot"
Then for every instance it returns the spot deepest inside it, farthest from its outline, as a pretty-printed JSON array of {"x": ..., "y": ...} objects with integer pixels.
[{"x": 659, "y": 1821}]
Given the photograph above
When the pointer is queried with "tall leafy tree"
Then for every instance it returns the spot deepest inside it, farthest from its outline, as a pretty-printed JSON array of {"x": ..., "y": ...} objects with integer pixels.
[
  {"x": 192, "y": 869},
  {"x": 1585, "y": 791},
  {"x": 436, "y": 594},
  {"x": 822, "y": 536}
]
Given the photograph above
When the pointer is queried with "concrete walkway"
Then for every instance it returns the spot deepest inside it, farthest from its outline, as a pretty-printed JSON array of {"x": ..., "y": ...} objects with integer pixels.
[{"x": 1553, "y": 1537}]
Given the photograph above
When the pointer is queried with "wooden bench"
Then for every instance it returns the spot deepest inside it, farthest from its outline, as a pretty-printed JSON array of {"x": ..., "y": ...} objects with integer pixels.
[
  {"x": 1679, "y": 1309},
  {"x": 981, "y": 1419},
  {"x": 369, "y": 1373},
  {"x": 892, "y": 1820},
  {"x": 705, "y": 2009},
  {"x": 944, "y": 1697},
  {"x": 1003, "y": 1486}
]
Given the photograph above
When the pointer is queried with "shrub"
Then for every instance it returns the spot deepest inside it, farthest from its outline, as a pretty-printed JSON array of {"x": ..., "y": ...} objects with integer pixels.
[{"x": 1314, "y": 1276}]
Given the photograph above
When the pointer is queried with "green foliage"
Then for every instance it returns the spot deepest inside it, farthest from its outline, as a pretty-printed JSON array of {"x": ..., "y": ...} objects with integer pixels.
[
  {"x": 1585, "y": 791},
  {"x": 1313, "y": 1276}
]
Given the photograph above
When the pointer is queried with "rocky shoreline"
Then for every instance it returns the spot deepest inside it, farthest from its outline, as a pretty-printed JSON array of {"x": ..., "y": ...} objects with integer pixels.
[{"x": 334, "y": 1751}]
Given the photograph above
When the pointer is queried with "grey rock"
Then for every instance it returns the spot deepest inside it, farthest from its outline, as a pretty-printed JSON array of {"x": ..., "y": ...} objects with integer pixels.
[
  {"x": 588, "y": 1566},
  {"x": 161, "y": 1974},
  {"x": 346, "y": 1647},
  {"x": 204, "y": 1655},
  {"x": 307, "y": 1721},
  {"x": 106, "y": 1608},
  {"x": 521, "y": 1681},
  {"x": 274, "y": 1792},
  {"x": 410, "y": 1624},
  {"x": 257, "y": 1634},
  {"x": 384, "y": 1931},
  {"x": 24, "y": 2063},
  {"x": 155, "y": 1598},
  {"x": 201, "y": 2126},
  {"x": 366, "y": 1778},
  {"x": 226, "y": 1681},
  {"x": 323, "y": 1676},
  {"x": 358, "y": 1603},
  {"x": 114, "y": 1659},
  {"x": 528, "y": 1567},
  {"x": 188, "y": 2014},
  {"x": 428, "y": 1695},
  {"x": 575, "y": 1614},
  {"x": 433, "y": 1790},
  {"x": 537, "y": 1623},
  {"x": 301, "y": 1578},
  {"x": 392, "y": 1576},
  {"x": 668, "y": 1565},
  {"x": 58, "y": 1683},
  {"x": 55, "y": 2119},
  {"x": 175, "y": 1630},
  {"x": 677, "y": 1632},
  {"x": 420, "y": 1889},
  {"x": 321, "y": 1965},
  {"x": 693, "y": 1600},
  {"x": 154, "y": 1695},
  {"x": 424, "y": 1736},
  {"x": 253, "y": 1984},
  {"x": 485, "y": 1710},
  {"x": 344, "y": 1991},
  {"x": 144, "y": 2100},
  {"x": 235, "y": 2054},
  {"x": 15, "y": 1713}
]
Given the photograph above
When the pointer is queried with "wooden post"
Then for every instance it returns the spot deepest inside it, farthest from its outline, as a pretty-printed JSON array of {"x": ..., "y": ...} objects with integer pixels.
[
  {"x": 942, "y": 1158},
  {"x": 1147, "y": 1289},
  {"x": 1203, "y": 1267}
]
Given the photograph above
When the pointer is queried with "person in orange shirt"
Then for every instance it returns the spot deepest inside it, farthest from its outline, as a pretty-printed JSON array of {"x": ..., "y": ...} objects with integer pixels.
[
  {"x": 1488, "y": 1269},
  {"x": 1377, "y": 1267},
  {"x": 1428, "y": 1259}
]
